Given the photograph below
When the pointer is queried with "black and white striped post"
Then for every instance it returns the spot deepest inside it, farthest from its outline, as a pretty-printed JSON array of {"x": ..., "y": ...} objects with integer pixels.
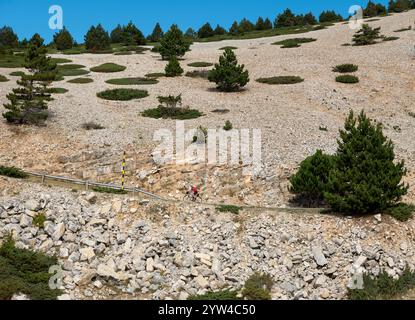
[{"x": 123, "y": 173}]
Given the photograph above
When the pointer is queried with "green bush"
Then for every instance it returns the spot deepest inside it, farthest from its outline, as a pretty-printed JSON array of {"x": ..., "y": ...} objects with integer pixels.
[
  {"x": 228, "y": 47},
  {"x": 281, "y": 80},
  {"x": 81, "y": 80},
  {"x": 108, "y": 68},
  {"x": 228, "y": 126},
  {"x": 173, "y": 68},
  {"x": 384, "y": 287},
  {"x": 310, "y": 181},
  {"x": 228, "y": 75},
  {"x": 132, "y": 81},
  {"x": 122, "y": 94},
  {"x": 347, "y": 78},
  {"x": 11, "y": 61},
  {"x": 330, "y": 16},
  {"x": 401, "y": 212},
  {"x": 12, "y": 172},
  {"x": 346, "y": 68},
  {"x": 294, "y": 42},
  {"x": 200, "y": 64},
  {"x": 258, "y": 287},
  {"x": 70, "y": 66},
  {"x": 92, "y": 126},
  {"x": 39, "y": 220},
  {"x": 225, "y": 295},
  {"x": 390, "y": 39},
  {"x": 366, "y": 36},
  {"x": 176, "y": 113},
  {"x": 60, "y": 60},
  {"x": 404, "y": 29},
  {"x": 57, "y": 90},
  {"x": 109, "y": 190},
  {"x": 123, "y": 53},
  {"x": 229, "y": 208},
  {"x": 155, "y": 75},
  {"x": 365, "y": 178},
  {"x": 70, "y": 73},
  {"x": 26, "y": 272},
  {"x": 3, "y": 78},
  {"x": 17, "y": 74},
  {"x": 204, "y": 74}
]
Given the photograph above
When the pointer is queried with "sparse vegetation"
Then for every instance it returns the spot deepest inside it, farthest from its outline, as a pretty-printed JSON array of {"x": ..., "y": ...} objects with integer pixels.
[
  {"x": 401, "y": 212},
  {"x": 384, "y": 286},
  {"x": 39, "y": 220},
  {"x": 390, "y": 38},
  {"x": 258, "y": 287},
  {"x": 200, "y": 64},
  {"x": 12, "y": 172},
  {"x": 92, "y": 126},
  {"x": 347, "y": 78},
  {"x": 281, "y": 80},
  {"x": 346, "y": 68},
  {"x": 168, "y": 109},
  {"x": 404, "y": 29},
  {"x": 204, "y": 74},
  {"x": 228, "y": 126},
  {"x": 294, "y": 42},
  {"x": 108, "y": 68},
  {"x": 57, "y": 90},
  {"x": 132, "y": 81},
  {"x": 3, "y": 78},
  {"x": 109, "y": 190},
  {"x": 155, "y": 75},
  {"x": 229, "y": 208},
  {"x": 17, "y": 73},
  {"x": 122, "y": 94},
  {"x": 81, "y": 80},
  {"x": 26, "y": 272},
  {"x": 228, "y": 47}
]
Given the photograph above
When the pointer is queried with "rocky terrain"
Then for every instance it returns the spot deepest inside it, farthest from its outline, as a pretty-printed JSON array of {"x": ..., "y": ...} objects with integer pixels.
[{"x": 131, "y": 248}]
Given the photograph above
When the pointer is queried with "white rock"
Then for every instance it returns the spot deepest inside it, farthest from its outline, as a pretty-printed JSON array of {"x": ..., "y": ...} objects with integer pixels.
[
  {"x": 378, "y": 218},
  {"x": 87, "y": 254},
  {"x": 360, "y": 262},
  {"x": 319, "y": 256},
  {"x": 25, "y": 221},
  {"x": 91, "y": 198},
  {"x": 59, "y": 232},
  {"x": 150, "y": 265},
  {"x": 32, "y": 205},
  {"x": 201, "y": 281}
]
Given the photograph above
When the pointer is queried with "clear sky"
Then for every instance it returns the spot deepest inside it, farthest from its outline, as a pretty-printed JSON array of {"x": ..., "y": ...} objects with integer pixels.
[{"x": 29, "y": 16}]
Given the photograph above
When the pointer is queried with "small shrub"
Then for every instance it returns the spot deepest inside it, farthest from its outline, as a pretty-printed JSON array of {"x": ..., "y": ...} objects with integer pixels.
[
  {"x": 109, "y": 190},
  {"x": 366, "y": 36},
  {"x": 346, "y": 68},
  {"x": 200, "y": 64},
  {"x": 401, "y": 212},
  {"x": 390, "y": 38},
  {"x": 12, "y": 172},
  {"x": 17, "y": 73},
  {"x": 122, "y": 94},
  {"x": 71, "y": 73},
  {"x": 132, "y": 81},
  {"x": 26, "y": 272},
  {"x": 60, "y": 60},
  {"x": 123, "y": 53},
  {"x": 411, "y": 114},
  {"x": 347, "y": 79},
  {"x": 258, "y": 287},
  {"x": 229, "y": 208},
  {"x": 383, "y": 287},
  {"x": 108, "y": 68},
  {"x": 221, "y": 111},
  {"x": 3, "y": 78},
  {"x": 228, "y": 47},
  {"x": 92, "y": 126},
  {"x": 404, "y": 29},
  {"x": 204, "y": 74},
  {"x": 155, "y": 75},
  {"x": 70, "y": 66},
  {"x": 173, "y": 68},
  {"x": 225, "y": 295},
  {"x": 281, "y": 80},
  {"x": 81, "y": 80},
  {"x": 294, "y": 42},
  {"x": 172, "y": 113},
  {"x": 321, "y": 128},
  {"x": 228, "y": 126},
  {"x": 57, "y": 90},
  {"x": 39, "y": 220}
]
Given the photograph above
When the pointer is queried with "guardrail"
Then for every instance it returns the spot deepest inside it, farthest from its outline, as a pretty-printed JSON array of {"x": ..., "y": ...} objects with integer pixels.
[{"x": 91, "y": 184}]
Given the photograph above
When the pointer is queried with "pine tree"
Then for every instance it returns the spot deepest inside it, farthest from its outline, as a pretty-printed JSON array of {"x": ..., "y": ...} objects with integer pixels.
[
  {"x": 260, "y": 24},
  {"x": 373, "y": 10},
  {"x": 117, "y": 34},
  {"x": 132, "y": 35},
  {"x": 205, "y": 31},
  {"x": 97, "y": 39},
  {"x": 63, "y": 40},
  {"x": 219, "y": 31},
  {"x": 285, "y": 19},
  {"x": 173, "y": 68},
  {"x": 8, "y": 39},
  {"x": 190, "y": 34},
  {"x": 309, "y": 19},
  {"x": 246, "y": 26},
  {"x": 157, "y": 34},
  {"x": 330, "y": 16},
  {"x": 267, "y": 24},
  {"x": 235, "y": 29},
  {"x": 365, "y": 178},
  {"x": 174, "y": 43},
  {"x": 366, "y": 36},
  {"x": 28, "y": 103},
  {"x": 228, "y": 75}
]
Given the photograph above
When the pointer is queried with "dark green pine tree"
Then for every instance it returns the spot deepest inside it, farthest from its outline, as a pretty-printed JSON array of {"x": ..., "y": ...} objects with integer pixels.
[
  {"x": 97, "y": 39},
  {"x": 365, "y": 179},
  {"x": 260, "y": 24},
  {"x": 366, "y": 36},
  {"x": 205, "y": 31},
  {"x": 63, "y": 40},
  {"x": 28, "y": 102},
  {"x": 8, "y": 39},
  {"x": 235, "y": 29},
  {"x": 267, "y": 24},
  {"x": 157, "y": 34},
  {"x": 117, "y": 34},
  {"x": 219, "y": 31},
  {"x": 173, "y": 68},
  {"x": 132, "y": 35},
  {"x": 228, "y": 75},
  {"x": 174, "y": 43},
  {"x": 246, "y": 26}
]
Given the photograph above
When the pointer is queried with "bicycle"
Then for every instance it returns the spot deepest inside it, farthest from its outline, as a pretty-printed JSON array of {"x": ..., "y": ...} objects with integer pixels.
[{"x": 191, "y": 197}]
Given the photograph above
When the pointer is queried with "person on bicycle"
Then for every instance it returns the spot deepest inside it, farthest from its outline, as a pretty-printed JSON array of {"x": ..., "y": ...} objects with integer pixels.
[{"x": 195, "y": 192}]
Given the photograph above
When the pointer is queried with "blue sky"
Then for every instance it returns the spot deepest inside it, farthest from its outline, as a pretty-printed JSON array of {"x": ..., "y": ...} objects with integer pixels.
[{"x": 27, "y": 17}]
